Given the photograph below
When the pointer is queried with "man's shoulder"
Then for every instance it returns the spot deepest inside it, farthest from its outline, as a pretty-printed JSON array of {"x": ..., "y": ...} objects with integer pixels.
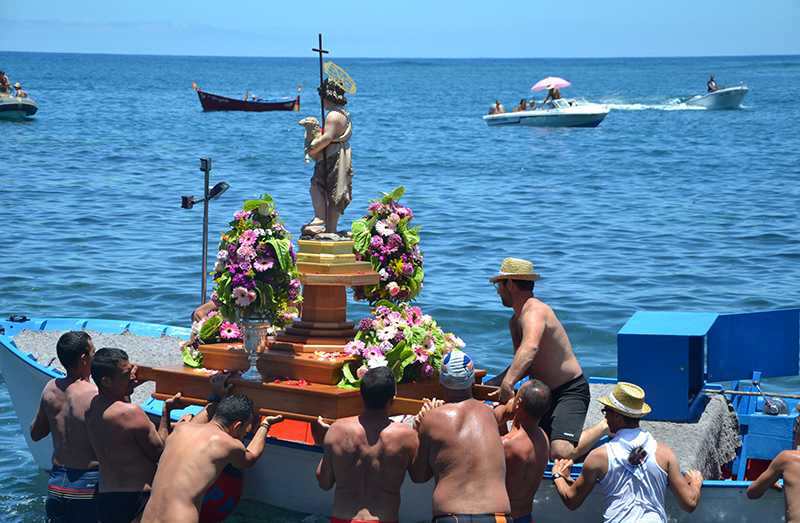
[
  {"x": 597, "y": 459},
  {"x": 788, "y": 459}
]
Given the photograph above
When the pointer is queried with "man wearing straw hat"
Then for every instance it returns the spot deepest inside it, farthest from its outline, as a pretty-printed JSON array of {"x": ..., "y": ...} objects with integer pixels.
[
  {"x": 786, "y": 465},
  {"x": 542, "y": 350},
  {"x": 632, "y": 470}
]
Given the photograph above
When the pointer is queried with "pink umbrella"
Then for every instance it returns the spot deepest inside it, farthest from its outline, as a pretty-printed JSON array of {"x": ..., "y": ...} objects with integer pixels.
[{"x": 551, "y": 82}]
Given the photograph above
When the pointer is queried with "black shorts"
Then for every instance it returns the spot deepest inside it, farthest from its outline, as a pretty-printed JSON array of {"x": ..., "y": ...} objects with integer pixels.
[
  {"x": 567, "y": 413},
  {"x": 120, "y": 507}
]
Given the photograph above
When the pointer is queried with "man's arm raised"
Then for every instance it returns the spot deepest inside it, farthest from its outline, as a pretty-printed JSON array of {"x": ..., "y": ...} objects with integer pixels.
[
  {"x": 244, "y": 458},
  {"x": 685, "y": 487},
  {"x": 420, "y": 470},
  {"x": 533, "y": 324},
  {"x": 767, "y": 478},
  {"x": 144, "y": 432},
  {"x": 574, "y": 494}
]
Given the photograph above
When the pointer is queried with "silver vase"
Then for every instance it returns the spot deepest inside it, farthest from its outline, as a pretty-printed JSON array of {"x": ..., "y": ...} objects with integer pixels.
[{"x": 254, "y": 333}]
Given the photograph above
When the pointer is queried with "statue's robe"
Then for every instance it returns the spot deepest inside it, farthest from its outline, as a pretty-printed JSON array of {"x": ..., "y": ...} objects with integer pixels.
[{"x": 333, "y": 172}]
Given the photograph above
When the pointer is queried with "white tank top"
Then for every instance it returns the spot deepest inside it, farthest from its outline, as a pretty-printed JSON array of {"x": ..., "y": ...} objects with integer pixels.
[{"x": 633, "y": 493}]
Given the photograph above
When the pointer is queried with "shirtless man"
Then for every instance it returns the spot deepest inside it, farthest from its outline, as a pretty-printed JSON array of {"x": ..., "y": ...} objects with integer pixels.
[
  {"x": 124, "y": 439},
  {"x": 542, "y": 350},
  {"x": 72, "y": 486},
  {"x": 786, "y": 464},
  {"x": 366, "y": 456},
  {"x": 331, "y": 185},
  {"x": 460, "y": 446},
  {"x": 196, "y": 453},
  {"x": 526, "y": 446}
]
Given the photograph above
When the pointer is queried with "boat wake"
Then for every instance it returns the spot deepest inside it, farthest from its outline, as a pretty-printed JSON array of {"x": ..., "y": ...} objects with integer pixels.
[{"x": 676, "y": 104}]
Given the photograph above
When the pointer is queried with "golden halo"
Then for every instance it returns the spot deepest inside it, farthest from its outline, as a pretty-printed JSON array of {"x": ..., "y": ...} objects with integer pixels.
[{"x": 340, "y": 76}]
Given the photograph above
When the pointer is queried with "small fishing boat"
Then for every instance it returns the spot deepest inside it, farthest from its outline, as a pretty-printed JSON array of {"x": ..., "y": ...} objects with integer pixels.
[
  {"x": 15, "y": 108},
  {"x": 727, "y": 98},
  {"x": 215, "y": 102},
  {"x": 563, "y": 112},
  {"x": 653, "y": 348}
]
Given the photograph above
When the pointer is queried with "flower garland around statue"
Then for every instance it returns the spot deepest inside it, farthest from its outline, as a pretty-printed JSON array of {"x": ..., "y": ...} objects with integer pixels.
[
  {"x": 401, "y": 337},
  {"x": 384, "y": 238}
]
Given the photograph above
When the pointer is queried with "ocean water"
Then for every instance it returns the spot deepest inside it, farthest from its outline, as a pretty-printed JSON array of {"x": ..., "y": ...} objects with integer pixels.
[{"x": 659, "y": 208}]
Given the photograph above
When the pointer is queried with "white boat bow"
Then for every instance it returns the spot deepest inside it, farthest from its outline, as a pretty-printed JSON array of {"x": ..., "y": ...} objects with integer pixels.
[{"x": 727, "y": 98}]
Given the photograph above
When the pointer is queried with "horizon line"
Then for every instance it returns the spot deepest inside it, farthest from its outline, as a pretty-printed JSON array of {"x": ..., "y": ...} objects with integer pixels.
[{"x": 406, "y": 57}]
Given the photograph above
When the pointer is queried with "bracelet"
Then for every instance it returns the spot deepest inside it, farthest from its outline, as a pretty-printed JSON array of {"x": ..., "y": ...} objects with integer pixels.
[{"x": 266, "y": 425}]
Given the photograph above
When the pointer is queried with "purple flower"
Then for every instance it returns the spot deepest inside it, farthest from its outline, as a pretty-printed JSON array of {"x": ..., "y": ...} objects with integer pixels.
[
  {"x": 354, "y": 348},
  {"x": 372, "y": 352},
  {"x": 263, "y": 264},
  {"x": 376, "y": 242},
  {"x": 408, "y": 269},
  {"x": 292, "y": 253},
  {"x": 244, "y": 266},
  {"x": 241, "y": 215},
  {"x": 427, "y": 370},
  {"x": 365, "y": 324},
  {"x": 248, "y": 237},
  {"x": 239, "y": 280}
]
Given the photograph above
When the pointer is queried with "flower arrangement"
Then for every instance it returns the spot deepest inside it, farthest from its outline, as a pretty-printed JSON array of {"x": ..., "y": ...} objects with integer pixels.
[
  {"x": 401, "y": 337},
  {"x": 384, "y": 238},
  {"x": 256, "y": 272}
]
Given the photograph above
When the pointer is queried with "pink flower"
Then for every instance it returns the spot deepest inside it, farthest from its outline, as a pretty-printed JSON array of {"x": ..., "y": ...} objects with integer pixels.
[
  {"x": 243, "y": 297},
  {"x": 373, "y": 352},
  {"x": 421, "y": 354},
  {"x": 383, "y": 228},
  {"x": 248, "y": 237},
  {"x": 376, "y": 242},
  {"x": 241, "y": 215},
  {"x": 361, "y": 371},
  {"x": 229, "y": 331},
  {"x": 246, "y": 250},
  {"x": 263, "y": 264},
  {"x": 393, "y": 288},
  {"x": 374, "y": 207},
  {"x": 354, "y": 348}
]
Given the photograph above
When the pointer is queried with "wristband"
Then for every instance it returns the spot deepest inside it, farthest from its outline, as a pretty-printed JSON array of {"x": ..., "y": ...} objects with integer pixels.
[
  {"x": 557, "y": 475},
  {"x": 266, "y": 425}
]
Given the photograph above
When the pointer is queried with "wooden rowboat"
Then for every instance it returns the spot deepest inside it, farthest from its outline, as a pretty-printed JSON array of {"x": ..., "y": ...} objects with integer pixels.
[{"x": 215, "y": 102}]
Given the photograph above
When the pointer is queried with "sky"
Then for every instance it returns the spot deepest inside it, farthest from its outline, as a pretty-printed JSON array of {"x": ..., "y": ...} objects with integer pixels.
[{"x": 413, "y": 29}]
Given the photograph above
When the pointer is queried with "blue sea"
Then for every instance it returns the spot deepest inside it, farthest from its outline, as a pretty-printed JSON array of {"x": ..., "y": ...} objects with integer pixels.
[{"x": 659, "y": 208}]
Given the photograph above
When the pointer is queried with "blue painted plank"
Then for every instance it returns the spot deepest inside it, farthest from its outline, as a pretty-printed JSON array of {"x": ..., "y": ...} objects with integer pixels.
[
  {"x": 63, "y": 324},
  {"x": 769, "y": 342},
  {"x": 107, "y": 326},
  {"x": 669, "y": 323},
  {"x": 179, "y": 332},
  {"x": 147, "y": 329}
]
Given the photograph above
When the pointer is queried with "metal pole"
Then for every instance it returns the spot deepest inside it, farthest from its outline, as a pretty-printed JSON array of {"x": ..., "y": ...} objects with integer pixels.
[{"x": 205, "y": 166}]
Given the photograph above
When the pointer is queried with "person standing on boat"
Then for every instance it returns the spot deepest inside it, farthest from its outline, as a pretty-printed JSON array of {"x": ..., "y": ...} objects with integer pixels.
[
  {"x": 526, "y": 446},
  {"x": 332, "y": 182},
  {"x": 125, "y": 441},
  {"x": 552, "y": 94},
  {"x": 71, "y": 488},
  {"x": 460, "y": 447},
  {"x": 20, "y": 92},
  {"x": 198, "y": 451},
  {"x": 366, "y": 457},
  {"x": 786, "y": 465},
  {"x": 712, "y": 84},
  {"x": 633, "y": 470},
  {"x": 542, "y": 350}
]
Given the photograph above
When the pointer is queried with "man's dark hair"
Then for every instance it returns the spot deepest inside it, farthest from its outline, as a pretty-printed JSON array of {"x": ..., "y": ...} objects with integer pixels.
[
  {"x": 233, "y": 408},
  {"x": 105, "y": 363},
  {"x": 71, "y": 346},
  {"x": 378, "y": 388},
  {"x": 535, "y": 398},
  {"x": 523, "y": 285}
]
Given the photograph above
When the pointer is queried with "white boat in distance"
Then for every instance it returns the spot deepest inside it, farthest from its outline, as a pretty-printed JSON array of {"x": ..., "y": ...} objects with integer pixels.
[
  {"x": 16, "y": 108},
  {"x": 727, "y": 98},
  {"x": 564, "y": 112}
]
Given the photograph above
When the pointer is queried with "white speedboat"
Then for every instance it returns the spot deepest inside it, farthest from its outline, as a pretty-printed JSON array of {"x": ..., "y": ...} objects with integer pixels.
[
  {"x": 727, "y": 98},
  {"x": 558, "y": 113},
  {"x": 15, "y": 108}
]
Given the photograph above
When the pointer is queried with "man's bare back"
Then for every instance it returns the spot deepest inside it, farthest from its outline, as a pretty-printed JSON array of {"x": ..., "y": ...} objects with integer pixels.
[
  {"x": 526, "y": 459},
  {"x": 460, "y": 447},
  {"x": 368, "y": 456},
  {"x": 64, "y": 404},
  {"x": 786, "y": 465},
  {"x": 193, "y": 458},
  {"x": 555, "y": 362}
]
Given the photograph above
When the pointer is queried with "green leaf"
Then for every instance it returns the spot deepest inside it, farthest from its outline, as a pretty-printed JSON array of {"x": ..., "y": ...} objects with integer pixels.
[
  {"x": 265, "y": 203},
  {"x": 395, "y": 195},
  {"x": 361, "y": 235},
  {"x": 410, "y": 236},
  {"x": 189, "y": 360},
  {"x": 209, "y": 332},
  {"x": 282, "y": 252},
  {"x": 347, "y": 375}
]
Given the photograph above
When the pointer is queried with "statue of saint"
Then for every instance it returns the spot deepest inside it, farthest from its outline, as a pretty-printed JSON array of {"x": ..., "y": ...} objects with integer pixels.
[{"x": 332, "y": 183}]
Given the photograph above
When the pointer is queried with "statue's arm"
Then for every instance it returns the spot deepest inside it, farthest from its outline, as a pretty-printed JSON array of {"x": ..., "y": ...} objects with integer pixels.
[{"x": 333, "y": 128}]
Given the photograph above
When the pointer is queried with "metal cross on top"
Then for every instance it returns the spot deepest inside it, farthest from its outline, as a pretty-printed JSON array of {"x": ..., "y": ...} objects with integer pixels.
[{"x": 321, "y": 52}]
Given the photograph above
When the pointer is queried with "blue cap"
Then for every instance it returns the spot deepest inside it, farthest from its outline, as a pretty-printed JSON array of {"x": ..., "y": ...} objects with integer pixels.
[{"x": 457, "y": 371}]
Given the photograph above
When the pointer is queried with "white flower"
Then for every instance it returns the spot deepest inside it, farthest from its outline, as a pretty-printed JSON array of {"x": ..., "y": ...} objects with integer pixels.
[
  {"x": 387, "y": 333},
  {"x": 377, "y": 361},
  {"x": 383, "y": 274},
  {"x": 383, "y": 228},
  {"x": 222, "y": 255}
]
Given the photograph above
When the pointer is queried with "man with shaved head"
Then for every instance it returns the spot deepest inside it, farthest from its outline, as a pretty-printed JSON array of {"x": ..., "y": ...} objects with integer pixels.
[{"x": 526, "y": 446}]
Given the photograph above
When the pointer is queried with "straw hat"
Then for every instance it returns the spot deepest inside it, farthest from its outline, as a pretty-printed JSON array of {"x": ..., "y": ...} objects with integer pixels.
[
  {"x": 516, "y": 269},
  {"x": 17, "y": 85},
  {"x": 627, "y": 399}
]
